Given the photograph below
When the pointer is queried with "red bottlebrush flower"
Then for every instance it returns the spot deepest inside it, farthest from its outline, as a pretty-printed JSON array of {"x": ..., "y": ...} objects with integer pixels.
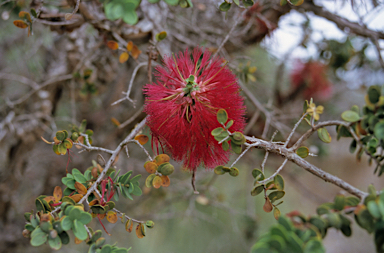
[
  {"x": 182, "y": 107},
  {"x": 311, "y": 78}
]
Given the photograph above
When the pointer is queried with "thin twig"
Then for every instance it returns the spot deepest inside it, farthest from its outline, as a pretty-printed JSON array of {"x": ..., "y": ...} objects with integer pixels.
[
  {"x": 294, "y": 129},
  {"x": 259, "y": 106},
  {"x": 293, "y": 157},
  {"x": 60, "y": 23},
  {"x": 141, "y": 146},
  {"x": 274, "y": 174},
  {"x": 130, "y": 85},
  {"x": 131, "y": 119},
  {"x": 378, "y": 50},
  {"x": 118, "y": 211},
  {"x": 241, "y": 155},
  {"x": 115, "y": 153},
  {"x": 43, "y": 85},
  {"x": 267, "y": 153},
  {"x": 20, "y": 79},
  {"x": 237, "y": 21}
]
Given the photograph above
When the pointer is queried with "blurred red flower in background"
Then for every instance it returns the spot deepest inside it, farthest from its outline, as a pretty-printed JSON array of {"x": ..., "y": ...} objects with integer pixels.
[
  {"x": 183, "y": 103},
  {"x": 311, "y": 78}
]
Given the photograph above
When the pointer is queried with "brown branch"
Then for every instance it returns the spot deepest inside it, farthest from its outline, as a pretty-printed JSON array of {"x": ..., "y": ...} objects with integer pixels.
[
  {"x": 293, "y": 157},
  {"x": 341, "y": 22},
  {"x": 114, "y": 155},
  {"x": 43, "y": 85}
]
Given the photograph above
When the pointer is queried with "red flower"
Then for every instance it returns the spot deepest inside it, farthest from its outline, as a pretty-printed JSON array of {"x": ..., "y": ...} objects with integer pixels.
[
  {"x": 311, "y": 78},
  {"x": 182, "y": 107}
]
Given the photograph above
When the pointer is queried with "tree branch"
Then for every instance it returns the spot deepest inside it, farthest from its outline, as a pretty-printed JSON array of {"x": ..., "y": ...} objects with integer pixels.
[
  {"x": 341, "y": 22},
  {"x": 293, "y": 157}
]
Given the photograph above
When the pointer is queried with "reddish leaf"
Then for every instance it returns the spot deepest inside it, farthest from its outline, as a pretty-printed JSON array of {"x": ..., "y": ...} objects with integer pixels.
[
  {"x": 24, "y": 14},
  {"x": 139, "y": 232},
  {"x": 165, "y": 181},
  {"x": 129, "y": 46},
  {"x": 115, "y": 121},
  {"x": 157, "y": 182},
  {"x": 135, "y": 52},
  {"x": 20, "y": 24},
  {"x": 112, "y": 45},
  {"x": 142, "y": 139},
  {"x": 76, "y": 197},
  {"x": 81, "y": 189},
  {"x": 57, "y": 194},
  {"x": 150, "y": 167}
]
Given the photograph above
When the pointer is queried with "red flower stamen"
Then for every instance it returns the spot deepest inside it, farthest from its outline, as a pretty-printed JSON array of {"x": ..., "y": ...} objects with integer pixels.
[{"x": 182, "y": 107}]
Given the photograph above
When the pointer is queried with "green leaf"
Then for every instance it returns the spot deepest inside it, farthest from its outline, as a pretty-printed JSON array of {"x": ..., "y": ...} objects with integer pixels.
[
  {"x": 229, "y": 124},
  {"x": 172, "y": 2},
  {"x": 38, "y": 237},
  {"x": 60, "y": 135},
  {"x": 350, "y": 116},
  {"x": 82, "y": 126},
  {"x": 148, "y": 181},
  {"x": 222, "y": 116},
  {"x": 352, "y": 201},
  {"x": 113, "y": 12},
  {"x": 318, "y": 222},
  {"x": 234, "y": 172},
  {"x": 135, "y": 178},
  {"x": 323, "y": 134},
  {"x": 219, "y": 170},
  {"x": 74, "y": 214},
  {"x": 258, "y": 175},
  {"x": 379, "y": 130},
  {"x": 33, "y": 12},
  {"x": 248, "y": 3},
  {"x": 303, "y": 152},
  {"x": 149, "y": 224},
  {"x": 221, "y": 136},
  {"x": 352, "y": 146},
  {"x": 137, "y": 191},
  {"x": 314, "y": 246},
  {"x": 217, "y": 131},
  {"x": 161, "y": 35},
  {"x": 106, "y": 249},
  {"x": 279, "y": 182},
  {"x": 238, "y": 138},
  {"x": 29, "y": 227},
  {"x": 55, "y": 243},
  {"x": 236, "y": 148},
  {"x": 64, "y": 237},
  {"x": 130, "y": 17},
  {"x": 276, "y": 195},
  {"x": 80, "y": 178},
  {"x": 365, "y": 220},
  {"x": 339, "y": 202},
  {"x": 225, "y": 145},
  {"x": 277, "y": 243},
  {"x": 57, "y": 226},
  {"x": 85, "y": 218},
  {"x": 66, "y": 223},
  {"x": 373, "y": 209},
  {"x": 225, "y": 7},
  {"x": 374, "y": 94},
  {"x": 334, "y": 220},
  {"x": 79, "y": 230},
  {"x": 39, "y": 206},
  {"x": 126, "y": 193},
  {"x": 46, "y": 226}
]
